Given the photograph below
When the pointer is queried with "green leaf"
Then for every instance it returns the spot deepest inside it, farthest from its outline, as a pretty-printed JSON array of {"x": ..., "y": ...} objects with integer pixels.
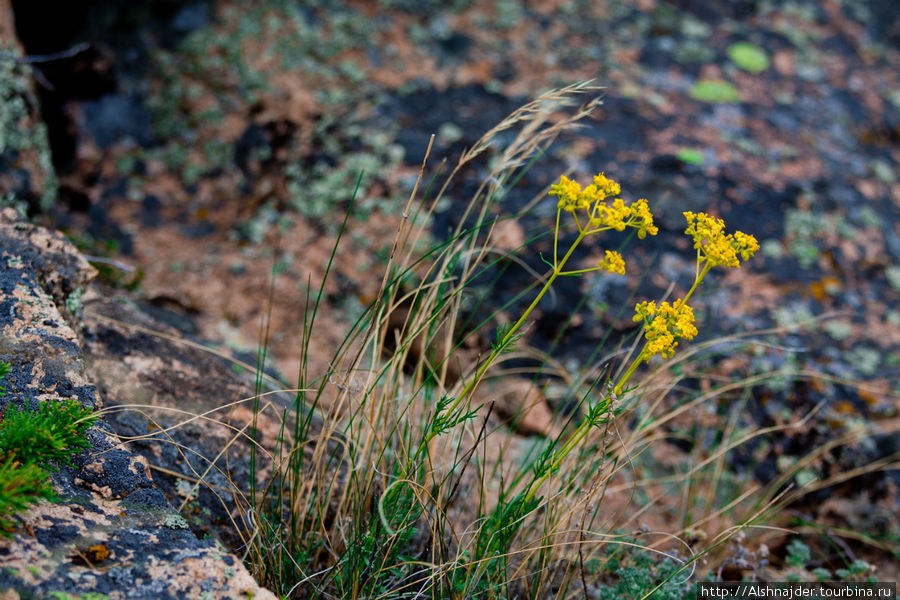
[
  {"x": 714, "y": 91},
  {"x": 749, "y": 57}
]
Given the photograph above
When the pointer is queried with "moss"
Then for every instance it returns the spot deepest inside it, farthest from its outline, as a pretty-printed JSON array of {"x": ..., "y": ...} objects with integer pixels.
[
  {"x": 46, "y": 436},
  {"x": 21, "y": 485},
  {"x": 31, "y": 443}
]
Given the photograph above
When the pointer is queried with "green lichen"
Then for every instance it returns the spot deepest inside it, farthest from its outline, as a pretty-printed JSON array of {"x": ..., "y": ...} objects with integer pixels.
[
  {"x": 175, "y": 522},
  {"x": 838, "y": 330},
  {"x": 892, "y": 274},
  {"x": 714, "y": 92},
  {"x": 20, "y": 132},
  {"x": 209, "y": 64},
  {"x": 749, "y": 57},
  {"x": 74, "y": 303},
  {"x": 690, "y": 156},
  {"x": 865, "y": 360}
]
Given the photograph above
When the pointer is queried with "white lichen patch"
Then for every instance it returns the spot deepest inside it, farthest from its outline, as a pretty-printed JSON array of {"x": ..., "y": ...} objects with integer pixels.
[{"x": 174, "y": 522}]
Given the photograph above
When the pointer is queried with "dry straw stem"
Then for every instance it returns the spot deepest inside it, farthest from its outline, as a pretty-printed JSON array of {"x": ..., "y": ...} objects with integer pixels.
[
  {"x": 438, "y": 303},
  {"x": 237, "y": 508},
  {"x": 531, "y": 139},
  {"x": 386, "y": 403}
]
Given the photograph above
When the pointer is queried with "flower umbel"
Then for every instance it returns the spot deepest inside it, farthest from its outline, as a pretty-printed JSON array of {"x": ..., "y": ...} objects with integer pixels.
[
  {"x": 714, "y": 246},
  {"x": 640, "y": 214},
  {"x": 567, "y": 191},
  {"x": 614, "y": 263},
  {"x": 596, "y": 208},
  {"x": 664, "y": 325}
]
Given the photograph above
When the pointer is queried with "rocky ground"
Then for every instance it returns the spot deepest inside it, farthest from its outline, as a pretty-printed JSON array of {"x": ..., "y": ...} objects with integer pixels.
[
  {"x": 111, "y": 533},
  {"x": 201, "y": 146}
]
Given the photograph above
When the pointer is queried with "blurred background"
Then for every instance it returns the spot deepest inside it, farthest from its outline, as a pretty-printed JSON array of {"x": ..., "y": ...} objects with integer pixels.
[{"x": 195, "y": 148}]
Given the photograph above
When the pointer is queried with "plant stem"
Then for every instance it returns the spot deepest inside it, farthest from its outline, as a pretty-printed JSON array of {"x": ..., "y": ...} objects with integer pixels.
[
  {"x": 573, "y": 441},
  {"x": 498, "y": 349},
  {"x": 629, "y": 373},
  {"x": 701, "y": 273}
]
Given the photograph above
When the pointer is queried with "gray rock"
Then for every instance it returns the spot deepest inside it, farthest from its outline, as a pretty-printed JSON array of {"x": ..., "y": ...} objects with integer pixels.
[{"x": 107, "y": 532}]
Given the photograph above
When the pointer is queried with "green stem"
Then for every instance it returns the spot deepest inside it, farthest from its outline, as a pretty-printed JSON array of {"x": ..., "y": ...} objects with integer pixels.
[
  {"x": 573, "y": 441},
  {"x": 556, "y": 238},
  {"x": 631, "y": 369},
  {"x": 581, "y": 432},
  {"x": 701, "y": 273},
  {"x": 697, "y": 280},
  {"x": 498, "y": 349},
  {"x": 581, "y": 271}
]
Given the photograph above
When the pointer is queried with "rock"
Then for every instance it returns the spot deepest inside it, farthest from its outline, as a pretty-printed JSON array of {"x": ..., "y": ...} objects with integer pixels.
[
  {"x": 522, "y": 406},
  {"x": 155, "y": 384},
  {"x": 27, "y": 178},
  {"x": 111, "y": 531}
]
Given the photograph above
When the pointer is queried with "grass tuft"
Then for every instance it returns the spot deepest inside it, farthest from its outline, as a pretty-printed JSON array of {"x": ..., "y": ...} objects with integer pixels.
[
  {"x": 31, "y": 444},
  {"x": 393, "y": 474}
]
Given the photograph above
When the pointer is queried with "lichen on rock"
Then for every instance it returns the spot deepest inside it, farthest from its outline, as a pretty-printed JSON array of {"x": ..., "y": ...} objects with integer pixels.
[
  {"x": 26, "y": 170},
  {"x": 111, "y": 531}
]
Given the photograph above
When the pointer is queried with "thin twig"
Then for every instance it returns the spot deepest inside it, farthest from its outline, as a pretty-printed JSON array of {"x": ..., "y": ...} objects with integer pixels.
[{"x": 42, "y": 58}]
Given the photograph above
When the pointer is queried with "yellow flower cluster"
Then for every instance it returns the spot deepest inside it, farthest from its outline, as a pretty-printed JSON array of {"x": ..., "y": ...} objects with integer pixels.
[
  {"x": 663, "y": 324},
  {"x": 714, "y": 245},
  {"x": 592, "y": 212},
  {"x": 614, "y": 263},
  {"x": 640, "y": 213},
  {"x": 607, "y": 185},
  {"x": 568, "y": 192}
]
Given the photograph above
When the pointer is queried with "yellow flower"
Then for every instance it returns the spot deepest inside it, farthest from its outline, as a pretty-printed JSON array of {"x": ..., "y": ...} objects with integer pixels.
[
  {"x": 613, "y": 216},
  {"x": 587, "y": 197},
  {"x": 567, "y": 191},
  {"x": 597, "y": 209},
  {"x": 714, "y": 245},
  {"x": 606, "y": 185},
  {"x": 745, "y": 245},
  {"x": 663, "y": 324},
  {"x": 644, "y": 311},
  {"x": 642, "y": 219},
  {"x": 659, "y": 340},
  {"x": 614, "y": 263}
]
